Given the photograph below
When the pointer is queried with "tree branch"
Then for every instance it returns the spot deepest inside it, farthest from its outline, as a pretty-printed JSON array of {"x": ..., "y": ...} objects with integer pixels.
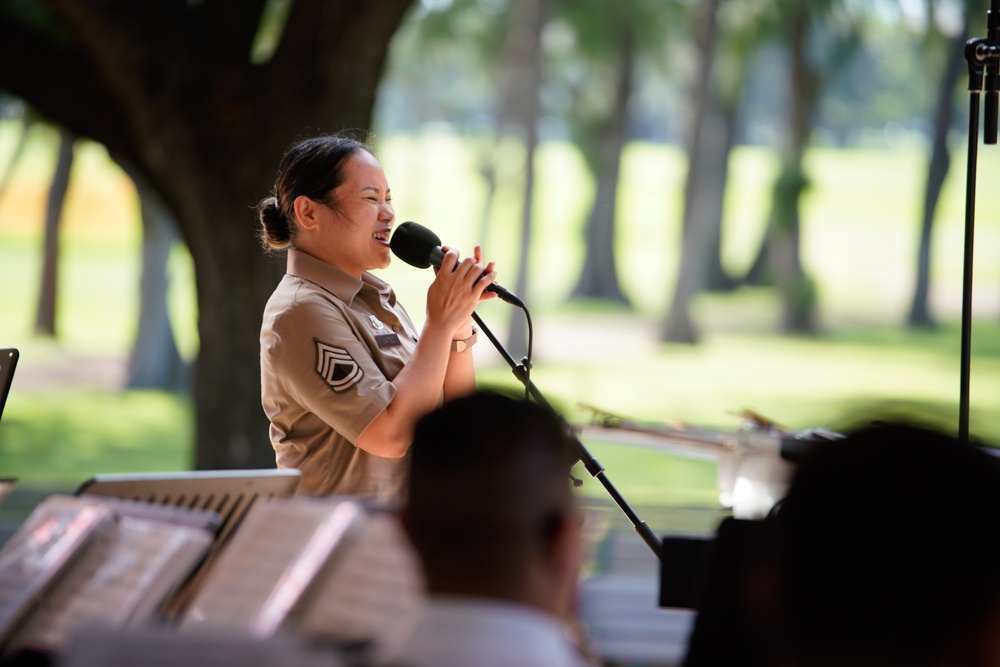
[
  {"x": 231, "y": 26},
  {"x": 53, "y": 74},
  {"x": 321, "y": 39}
]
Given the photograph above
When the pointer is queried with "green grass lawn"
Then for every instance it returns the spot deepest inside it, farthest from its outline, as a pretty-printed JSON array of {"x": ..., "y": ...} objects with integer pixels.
[{"x": 859, "y": 241}]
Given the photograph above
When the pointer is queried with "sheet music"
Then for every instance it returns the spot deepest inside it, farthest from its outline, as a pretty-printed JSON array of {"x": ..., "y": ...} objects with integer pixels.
[
  {"x": 41, "y": 548},
  {"x": 372, "y": 592},
  {"x": 121, "y": 581},
  {"x": 270, "y": 560}
]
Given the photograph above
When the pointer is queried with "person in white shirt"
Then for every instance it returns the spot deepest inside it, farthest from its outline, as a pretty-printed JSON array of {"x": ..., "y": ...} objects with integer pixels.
[{"x": 493, "y": 519}]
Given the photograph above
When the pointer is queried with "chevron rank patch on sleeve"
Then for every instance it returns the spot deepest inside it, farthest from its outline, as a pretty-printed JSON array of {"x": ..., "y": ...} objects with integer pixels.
[{"x": 336, "y": 366}]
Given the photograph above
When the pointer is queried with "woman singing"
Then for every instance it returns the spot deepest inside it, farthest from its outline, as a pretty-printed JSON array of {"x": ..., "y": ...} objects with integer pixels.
[{"x": 344, "y": 373}]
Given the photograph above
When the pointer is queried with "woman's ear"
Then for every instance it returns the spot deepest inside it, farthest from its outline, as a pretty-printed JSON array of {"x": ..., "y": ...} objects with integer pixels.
[{"x": 306, "y": 210}]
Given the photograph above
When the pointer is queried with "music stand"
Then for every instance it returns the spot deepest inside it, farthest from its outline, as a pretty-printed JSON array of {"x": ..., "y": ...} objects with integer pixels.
[
  {"x": 8, "y": 362},
  {"x": 230, "y": 493}
]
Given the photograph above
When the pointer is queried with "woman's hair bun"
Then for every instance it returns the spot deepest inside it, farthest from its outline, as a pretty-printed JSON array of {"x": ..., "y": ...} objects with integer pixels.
[{"x": 275, "y": 231}]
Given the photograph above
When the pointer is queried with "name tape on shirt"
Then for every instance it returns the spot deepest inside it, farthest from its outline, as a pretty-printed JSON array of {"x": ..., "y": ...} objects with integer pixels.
[
  {"x": 337, "y": 367},
  {"x": 387, "y": 340}
]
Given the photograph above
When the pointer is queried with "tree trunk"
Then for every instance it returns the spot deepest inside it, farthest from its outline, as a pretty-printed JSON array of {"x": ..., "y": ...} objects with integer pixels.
[
  {"x": 717, "y": 178},
  {"x": 937, "y": 171},
  {"x": 797, "y": 294},
  {"x": 169, "y": 87},
  {"x": 599, "y": 275},
  {"x": 48, "y": 291},
  {"x": 15, "y": 156},
  {"x": 154, "y": 362},
  {"x": 488, "y": 171},
  {"x": 797, "y": 291},
  {"x": 524, "y": 52},
  {"x": 233, "y": 287},
  {"x": 696, "y": 231},
  {"x": 759, "y": 273}
]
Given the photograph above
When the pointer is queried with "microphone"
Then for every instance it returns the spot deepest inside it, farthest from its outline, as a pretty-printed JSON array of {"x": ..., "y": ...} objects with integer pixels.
[{"x": 420, "y": 247}]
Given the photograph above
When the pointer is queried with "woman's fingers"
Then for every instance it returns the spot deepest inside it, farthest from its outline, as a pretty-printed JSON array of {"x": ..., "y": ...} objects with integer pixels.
[
  {"x": 450, "y": 260},
  {"x": 461, "y": 284}
]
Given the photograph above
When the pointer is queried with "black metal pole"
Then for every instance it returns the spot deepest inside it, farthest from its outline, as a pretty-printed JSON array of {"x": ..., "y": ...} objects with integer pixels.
[
  {"x": 592, "y": 465},
  {"x": 970, "y": 222},
  {"x": 983, "y": 57},
  {"x": 991, "y": 77}
]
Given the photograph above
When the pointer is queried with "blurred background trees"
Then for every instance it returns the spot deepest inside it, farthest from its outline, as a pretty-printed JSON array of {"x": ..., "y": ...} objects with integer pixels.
[
  {"x": 186, "y": 95},
  {"x": 197, "y": 100}
]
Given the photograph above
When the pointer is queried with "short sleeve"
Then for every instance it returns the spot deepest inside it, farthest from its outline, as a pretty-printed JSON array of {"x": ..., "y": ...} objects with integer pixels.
[{"x": 318, "y": 360}]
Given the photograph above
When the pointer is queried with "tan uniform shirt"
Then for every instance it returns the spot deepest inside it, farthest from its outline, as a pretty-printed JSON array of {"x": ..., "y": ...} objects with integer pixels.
[{"x": 330, "y": 346}]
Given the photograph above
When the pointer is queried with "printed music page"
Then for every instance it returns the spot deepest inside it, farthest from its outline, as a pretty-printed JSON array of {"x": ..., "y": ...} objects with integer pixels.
[
  {"x": 270, "y": 560},
  {"x": 42, "y": 547}
]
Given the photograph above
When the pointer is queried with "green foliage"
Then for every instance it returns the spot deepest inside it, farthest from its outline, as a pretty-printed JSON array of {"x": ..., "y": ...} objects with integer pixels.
[
  {"x": 877, "y": 71},
  {"x": 805, "y": 296},
  {"x": 443, "y": 66},
  {"x": 61, "y": 437},
  {"x": 790, "y": 183},
  {"x": 272, "y": 25},
  {"x": 859, "y": 235}
]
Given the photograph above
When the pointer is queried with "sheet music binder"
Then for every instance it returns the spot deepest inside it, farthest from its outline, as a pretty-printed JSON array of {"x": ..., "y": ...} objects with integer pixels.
[
  {"x": 132, "y": 559},
  {"x": 41, "y": 548},
  {"x": 372, "y": 593},
  {"x": 229, "y": 493},
  {"x": 120, "y": 582},
  {"x": 326, "y": 569},
  {"x": 262, "y": 573}
]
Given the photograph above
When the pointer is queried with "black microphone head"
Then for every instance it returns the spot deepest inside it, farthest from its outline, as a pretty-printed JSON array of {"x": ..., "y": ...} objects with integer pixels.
[{"x": 414, "y": 244}]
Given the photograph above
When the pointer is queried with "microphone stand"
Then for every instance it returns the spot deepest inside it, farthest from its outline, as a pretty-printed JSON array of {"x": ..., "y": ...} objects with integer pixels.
[
  {"x": 983, "y": 57},
  {"x": 592, "y": 465}
]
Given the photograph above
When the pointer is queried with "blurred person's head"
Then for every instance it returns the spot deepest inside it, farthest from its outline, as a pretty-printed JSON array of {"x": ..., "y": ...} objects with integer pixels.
[
  {"x": 490, "y": 510},
  {"x": 889, "y": 551}
]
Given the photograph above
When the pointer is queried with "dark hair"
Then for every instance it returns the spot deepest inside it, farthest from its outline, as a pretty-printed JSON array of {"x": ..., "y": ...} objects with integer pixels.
[
  {"x": 489, "y": 475},
  {"x": 888, "y": 546},
  {"x": 506, "y": 429},
  {"x": 312, "y": 167}
]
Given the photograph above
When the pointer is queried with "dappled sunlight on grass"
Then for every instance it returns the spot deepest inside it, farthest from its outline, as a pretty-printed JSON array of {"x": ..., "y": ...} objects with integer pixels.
[
  {"x": 650, "y": 478},
  {"x": 798, "y": 382},
  {"x": 60, "y": 438}
]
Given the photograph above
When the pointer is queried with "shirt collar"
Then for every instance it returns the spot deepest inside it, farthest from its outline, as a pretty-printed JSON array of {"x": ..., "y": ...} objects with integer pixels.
[
  {"x": 537, "y": 637},
  {"x": 342, "y": 285}
]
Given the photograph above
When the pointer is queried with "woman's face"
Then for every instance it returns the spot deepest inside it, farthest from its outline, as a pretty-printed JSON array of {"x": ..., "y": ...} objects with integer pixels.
[{"x": 356, "y": 237}]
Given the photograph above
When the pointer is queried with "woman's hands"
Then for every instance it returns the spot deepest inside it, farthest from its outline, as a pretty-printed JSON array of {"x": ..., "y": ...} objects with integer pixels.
[
  {"x": 433, "y": 369},
  {"x": 457, "y": 290}
]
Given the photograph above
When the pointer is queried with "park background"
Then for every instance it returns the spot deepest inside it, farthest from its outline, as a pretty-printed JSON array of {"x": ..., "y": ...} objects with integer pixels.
[{"x": 70, "y": 414}]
